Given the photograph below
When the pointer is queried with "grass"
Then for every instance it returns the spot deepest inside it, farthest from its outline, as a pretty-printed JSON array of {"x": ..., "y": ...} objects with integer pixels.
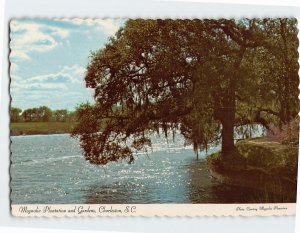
[
  {"x": 260, "y": 164},
  {"x": 31, "y": 128}
]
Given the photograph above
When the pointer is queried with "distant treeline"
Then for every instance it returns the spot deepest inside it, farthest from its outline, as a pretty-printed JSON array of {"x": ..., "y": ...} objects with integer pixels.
[{"x": 41, "y": 114}]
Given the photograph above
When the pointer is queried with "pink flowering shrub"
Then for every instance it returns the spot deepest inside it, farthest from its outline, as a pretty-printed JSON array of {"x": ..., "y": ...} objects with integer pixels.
[{"x": 288, "y": 135}]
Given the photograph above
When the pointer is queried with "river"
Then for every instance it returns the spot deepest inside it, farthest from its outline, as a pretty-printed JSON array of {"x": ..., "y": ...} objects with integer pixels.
[{"x": 50, "y": 169}]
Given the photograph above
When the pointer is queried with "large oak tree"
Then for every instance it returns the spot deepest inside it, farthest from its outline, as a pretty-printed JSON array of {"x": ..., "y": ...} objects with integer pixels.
[{"x": 201, "y": 77}]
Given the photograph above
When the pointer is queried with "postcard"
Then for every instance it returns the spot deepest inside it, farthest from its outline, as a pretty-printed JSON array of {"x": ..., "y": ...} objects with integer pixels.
[{"x": 153, "y": 117}]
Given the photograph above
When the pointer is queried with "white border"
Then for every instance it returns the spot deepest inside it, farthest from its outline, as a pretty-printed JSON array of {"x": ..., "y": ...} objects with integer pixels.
[
  {"x": 256, "y": 2},
  {"x": 131, "y": 8},
  {"x": 150, "y": 210}
]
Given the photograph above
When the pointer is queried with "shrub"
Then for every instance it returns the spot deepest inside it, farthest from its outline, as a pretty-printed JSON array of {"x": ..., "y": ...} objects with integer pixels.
[{"x": 288, "y": 134}]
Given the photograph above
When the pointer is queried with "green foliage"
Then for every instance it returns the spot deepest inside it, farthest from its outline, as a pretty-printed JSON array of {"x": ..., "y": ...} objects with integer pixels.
[
  {"x": 201, "y": 77},
  {"x": 42, "y": 114},
  {"x": 60, "y": 115},
  {"x": 15, "y": 114},
  {"x": 273, "y": 70}
]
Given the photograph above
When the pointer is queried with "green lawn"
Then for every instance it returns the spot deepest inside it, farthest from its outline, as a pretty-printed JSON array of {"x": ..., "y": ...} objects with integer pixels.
[{"x": 30, "y": 128}]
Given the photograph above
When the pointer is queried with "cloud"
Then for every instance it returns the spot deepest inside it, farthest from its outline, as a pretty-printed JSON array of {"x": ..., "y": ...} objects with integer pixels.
[
  {"x": 13, "y": 67},
  {"x": 108, "y": 26},
  {"x": 29, "y": 87},
  {"x": 46, "y": 87},
  {"x": 53, "y": 78},
  {"x": 75, "y": 70},
  {"x": 17, "y": 54},
  {"x": 29, "y": 37},
  {"x": 68, "y": 75}
]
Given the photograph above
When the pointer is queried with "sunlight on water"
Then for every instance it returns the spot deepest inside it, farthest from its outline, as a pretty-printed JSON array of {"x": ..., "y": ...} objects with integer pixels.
[{"x": 51, "y": 169}]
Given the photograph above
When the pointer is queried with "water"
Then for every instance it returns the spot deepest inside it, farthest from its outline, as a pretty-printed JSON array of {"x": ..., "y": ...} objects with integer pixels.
[{"x": 50, "y": 169}]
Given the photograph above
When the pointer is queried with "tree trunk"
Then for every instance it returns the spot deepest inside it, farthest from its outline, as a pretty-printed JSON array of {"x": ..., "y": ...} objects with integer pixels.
[
  {"x": 227, "y": 130},
  {"x": 226, "y": 115}
]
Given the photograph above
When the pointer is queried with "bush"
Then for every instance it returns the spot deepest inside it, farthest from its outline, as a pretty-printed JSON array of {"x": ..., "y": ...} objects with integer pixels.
[{"x": 288, "y": 135}]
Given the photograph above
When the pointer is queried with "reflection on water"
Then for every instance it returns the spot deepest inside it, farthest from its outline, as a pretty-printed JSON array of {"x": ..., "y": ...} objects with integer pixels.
[
  {"x": 116, "y": 193},
  {"x": 51, "y": 169}
]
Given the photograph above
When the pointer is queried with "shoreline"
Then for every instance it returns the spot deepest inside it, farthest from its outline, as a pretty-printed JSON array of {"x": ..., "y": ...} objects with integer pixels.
[
  {"x": 42, "y": 134},
  {"x": 41, "y": 128},
  {"x": 259, "y": 164}
]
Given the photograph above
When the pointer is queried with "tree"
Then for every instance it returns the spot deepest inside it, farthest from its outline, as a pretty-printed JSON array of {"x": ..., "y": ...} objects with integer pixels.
[
  {"x": 30, "y": 115},
  {"x": 42, "y": 113},
  {"x": 60, "y": 115},
  {"x": 274, "y": 72},
  {"x": 194, "y": 76},
  {"x": 15, "y": 114}
]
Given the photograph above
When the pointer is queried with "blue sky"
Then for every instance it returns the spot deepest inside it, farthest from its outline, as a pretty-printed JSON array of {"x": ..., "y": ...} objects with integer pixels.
[{"x": 49, "y": 57}]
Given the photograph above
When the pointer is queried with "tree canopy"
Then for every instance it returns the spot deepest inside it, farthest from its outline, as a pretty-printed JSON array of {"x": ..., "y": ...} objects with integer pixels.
[
  {"x": 15, "y": 114},
  {"x": 41, "y": 114},
  {"x": 199, "y": 77}
]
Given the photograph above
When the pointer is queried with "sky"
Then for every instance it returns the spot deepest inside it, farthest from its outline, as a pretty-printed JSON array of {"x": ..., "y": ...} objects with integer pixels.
[{"x": 48, "y": 59}]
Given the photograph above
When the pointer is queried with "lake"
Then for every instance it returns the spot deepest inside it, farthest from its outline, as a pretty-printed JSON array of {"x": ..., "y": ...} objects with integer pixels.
[{"x": 50, "y": 169}]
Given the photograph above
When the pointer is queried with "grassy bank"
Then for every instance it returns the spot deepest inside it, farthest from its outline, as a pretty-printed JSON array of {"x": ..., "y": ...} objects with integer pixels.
[
  {"x": 31, "y": 128},
  {"x": 259, "y": 164}
]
